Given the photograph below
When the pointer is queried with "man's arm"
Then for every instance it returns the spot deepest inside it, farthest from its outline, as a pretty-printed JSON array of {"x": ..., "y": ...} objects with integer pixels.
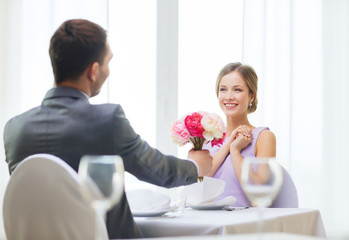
[{"x": 147, "y": 163}]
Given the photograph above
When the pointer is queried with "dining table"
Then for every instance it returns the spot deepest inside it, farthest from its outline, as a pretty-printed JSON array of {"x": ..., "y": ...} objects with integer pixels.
[
  {"x": 228, "y": 221},
  {"x": 248, "y": 236}
]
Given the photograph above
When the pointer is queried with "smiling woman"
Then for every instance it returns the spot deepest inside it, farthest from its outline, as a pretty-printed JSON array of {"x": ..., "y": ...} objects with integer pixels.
[{"x": 236, "y": 89}]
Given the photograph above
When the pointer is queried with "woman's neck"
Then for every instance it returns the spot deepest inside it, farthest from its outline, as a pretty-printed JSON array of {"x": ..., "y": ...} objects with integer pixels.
[{"x": 233, "y": 123}]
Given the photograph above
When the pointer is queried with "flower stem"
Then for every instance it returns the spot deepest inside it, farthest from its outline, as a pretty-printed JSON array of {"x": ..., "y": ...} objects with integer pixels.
[{"x": 198, "y": 142}]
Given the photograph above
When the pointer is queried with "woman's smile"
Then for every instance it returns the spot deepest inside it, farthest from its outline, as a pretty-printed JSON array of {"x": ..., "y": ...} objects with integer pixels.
[{"x": 230, "y": 106}]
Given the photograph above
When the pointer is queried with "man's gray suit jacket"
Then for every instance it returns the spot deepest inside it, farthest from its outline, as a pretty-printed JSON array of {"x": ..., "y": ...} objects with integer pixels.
[{"x": 68, "y": 126}]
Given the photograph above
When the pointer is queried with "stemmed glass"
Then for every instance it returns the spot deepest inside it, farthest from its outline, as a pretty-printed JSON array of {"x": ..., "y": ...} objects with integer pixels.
[
  {"x": 261, "y": 180},
  {"x": 103, "y": 183}
]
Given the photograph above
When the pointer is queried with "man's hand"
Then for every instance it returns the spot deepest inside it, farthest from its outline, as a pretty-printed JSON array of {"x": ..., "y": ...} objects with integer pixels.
[{"x": 203, "y": 159}]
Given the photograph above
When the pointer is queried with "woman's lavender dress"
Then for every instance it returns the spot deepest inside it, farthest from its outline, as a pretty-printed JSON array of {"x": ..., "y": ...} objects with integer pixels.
[{"x": 287, "y": 197}]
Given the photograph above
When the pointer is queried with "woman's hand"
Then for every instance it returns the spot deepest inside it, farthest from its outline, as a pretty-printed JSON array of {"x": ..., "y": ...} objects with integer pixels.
[
  {"x": 240, "y": 142},
  {"x": 244, "y": 130},
  {"x": 236, "y": 142},
  {"x": 240, "y": 138}
]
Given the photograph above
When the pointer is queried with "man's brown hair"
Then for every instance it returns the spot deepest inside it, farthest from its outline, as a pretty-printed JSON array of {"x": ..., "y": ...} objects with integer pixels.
[{"x": 75, "y": 45}]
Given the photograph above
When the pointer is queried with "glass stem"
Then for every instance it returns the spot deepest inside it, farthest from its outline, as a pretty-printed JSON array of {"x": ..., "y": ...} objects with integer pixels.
[
  {"x": 100, "y": 214},
  {"x": 260, "y": 222}
]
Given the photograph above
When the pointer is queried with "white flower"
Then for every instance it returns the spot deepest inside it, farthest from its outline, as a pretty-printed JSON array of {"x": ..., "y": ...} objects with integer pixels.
[{"x": 213, "y": 125}]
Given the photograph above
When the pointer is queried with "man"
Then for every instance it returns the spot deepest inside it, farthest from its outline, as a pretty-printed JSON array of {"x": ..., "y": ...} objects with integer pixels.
[{"x": 68, "y": 126}]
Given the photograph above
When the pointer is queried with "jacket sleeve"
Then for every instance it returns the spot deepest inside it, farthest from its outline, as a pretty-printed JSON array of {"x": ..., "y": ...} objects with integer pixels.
[{"x": 147, "y": 163}]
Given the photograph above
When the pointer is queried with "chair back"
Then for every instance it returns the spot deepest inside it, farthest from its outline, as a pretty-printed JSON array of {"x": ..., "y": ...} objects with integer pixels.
[
  {"x": 287, "y": 197},
  {"x": 43, "y": 200}
]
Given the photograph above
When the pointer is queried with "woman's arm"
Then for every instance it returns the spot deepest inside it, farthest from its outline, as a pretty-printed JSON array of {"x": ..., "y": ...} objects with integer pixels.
[
  {"x": 265, "y": 147},
  {"x": 266, "y": 144},
  {"x": 235, "y": 152},
  {"x": 238, "y": 140},
  {"x": 219, "y": 157}
]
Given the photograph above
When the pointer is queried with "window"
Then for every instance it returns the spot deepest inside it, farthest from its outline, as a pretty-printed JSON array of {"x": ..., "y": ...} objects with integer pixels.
[
  {"x": 210, "y": 36},
  {"x": 132, "y": 77}
]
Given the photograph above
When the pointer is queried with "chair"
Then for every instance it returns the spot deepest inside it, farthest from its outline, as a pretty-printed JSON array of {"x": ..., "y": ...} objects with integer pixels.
[
  {"x": 43, "y": 201},
  {"x": 287, "y": 197}
]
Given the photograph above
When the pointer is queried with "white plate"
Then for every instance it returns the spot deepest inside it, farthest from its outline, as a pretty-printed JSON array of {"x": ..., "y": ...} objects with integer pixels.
[
  {"x": 220, "y": 204},
  {"x": 149, "y": 214},
  {"x": 208, "y": 207}
]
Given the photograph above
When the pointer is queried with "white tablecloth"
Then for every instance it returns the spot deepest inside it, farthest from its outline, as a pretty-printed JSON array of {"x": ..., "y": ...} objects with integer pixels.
[
  {"x": 265, "y": 236},
  {"x": 221, "y": 222}
]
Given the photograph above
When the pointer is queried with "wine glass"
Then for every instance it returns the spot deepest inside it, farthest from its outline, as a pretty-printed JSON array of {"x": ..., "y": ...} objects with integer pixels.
[
  {"x": 102, "y": 183},
  {"x": 261, "y": 180}
]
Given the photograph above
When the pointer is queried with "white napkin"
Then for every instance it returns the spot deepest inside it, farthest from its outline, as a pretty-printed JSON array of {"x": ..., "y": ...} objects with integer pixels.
[
  {"x": 145, "y": 200},
  {"x": 202, "y": 192},
  {"x": 229, "y": 200}
]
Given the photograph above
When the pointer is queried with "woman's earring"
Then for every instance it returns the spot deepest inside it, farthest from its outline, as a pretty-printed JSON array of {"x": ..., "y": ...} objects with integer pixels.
[{"x": 250, "y": 104}]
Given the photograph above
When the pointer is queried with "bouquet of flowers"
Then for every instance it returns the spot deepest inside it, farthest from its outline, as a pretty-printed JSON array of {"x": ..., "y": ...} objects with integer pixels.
[{"x": 198, "y": 128}]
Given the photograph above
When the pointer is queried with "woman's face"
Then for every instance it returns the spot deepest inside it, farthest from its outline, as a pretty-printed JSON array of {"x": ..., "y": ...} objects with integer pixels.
[{"x": 233, "y": 95}]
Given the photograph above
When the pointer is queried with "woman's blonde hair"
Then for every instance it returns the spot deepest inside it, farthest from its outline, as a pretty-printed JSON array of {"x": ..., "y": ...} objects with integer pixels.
[{"x": 248, "y": 75}]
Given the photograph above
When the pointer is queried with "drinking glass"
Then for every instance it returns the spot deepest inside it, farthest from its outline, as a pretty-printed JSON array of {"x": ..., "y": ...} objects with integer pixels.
[
  {"x": 261, "y": 180},
  {"x": 103, "y": 183},
  {"x": 178, "y": 202}
]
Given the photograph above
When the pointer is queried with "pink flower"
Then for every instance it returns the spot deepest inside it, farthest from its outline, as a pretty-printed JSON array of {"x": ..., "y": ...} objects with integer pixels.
[
  {"x": 193, "y": 124},
  {"x": 179, "y": 133},
  {"x": 218, "y": 142}
]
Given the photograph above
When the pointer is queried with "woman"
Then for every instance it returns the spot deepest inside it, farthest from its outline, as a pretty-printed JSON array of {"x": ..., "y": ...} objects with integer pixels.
[{"x": 236, "y": 89}]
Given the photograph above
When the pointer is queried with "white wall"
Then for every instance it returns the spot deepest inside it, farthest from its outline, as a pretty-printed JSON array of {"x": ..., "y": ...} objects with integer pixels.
[
  {"x": 335, "y": 188},
  {"x": 300, "y": 51},
  {"x": 8, "y": 103}
]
